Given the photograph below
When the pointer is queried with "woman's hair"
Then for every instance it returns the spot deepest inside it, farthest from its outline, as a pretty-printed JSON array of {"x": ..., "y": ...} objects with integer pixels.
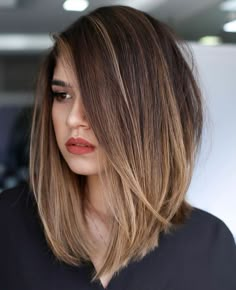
[{"x": 146, "y": 111}]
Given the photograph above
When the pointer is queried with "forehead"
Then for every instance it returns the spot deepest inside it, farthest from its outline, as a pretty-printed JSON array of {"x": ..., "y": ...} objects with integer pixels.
[{"x": 64, "y": 72}]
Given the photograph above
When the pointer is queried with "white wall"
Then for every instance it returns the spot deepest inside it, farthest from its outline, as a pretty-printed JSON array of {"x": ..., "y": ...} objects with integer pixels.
[{"x": 213, "y": 187}]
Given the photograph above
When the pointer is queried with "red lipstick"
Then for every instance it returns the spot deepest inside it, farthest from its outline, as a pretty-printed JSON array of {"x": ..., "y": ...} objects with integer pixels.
[{"x": 79, "y": 146}]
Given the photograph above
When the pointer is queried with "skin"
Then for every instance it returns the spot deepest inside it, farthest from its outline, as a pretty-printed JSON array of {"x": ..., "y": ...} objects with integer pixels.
[{"x": 69, "y": 121}]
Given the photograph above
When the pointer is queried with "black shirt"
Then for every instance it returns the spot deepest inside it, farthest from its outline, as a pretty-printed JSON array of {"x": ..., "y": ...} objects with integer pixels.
[{"x": 199, "y": 255}]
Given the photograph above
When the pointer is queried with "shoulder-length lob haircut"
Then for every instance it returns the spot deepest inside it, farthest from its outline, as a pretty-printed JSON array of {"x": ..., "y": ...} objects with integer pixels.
[{"x": 146, "y": 111}]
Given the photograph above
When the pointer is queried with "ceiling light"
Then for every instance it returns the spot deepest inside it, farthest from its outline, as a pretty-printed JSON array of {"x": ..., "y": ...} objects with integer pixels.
[
  {"x": 229, "y": 5},
  {"x": 210, "y": 40},
  {"x": 24, "y": 42},
  {"x": 230, "y": 26},
  {"x": 75, "y": 5},
  {"x": 145, "y": 5},
  {"x": 8, "y": 3}
]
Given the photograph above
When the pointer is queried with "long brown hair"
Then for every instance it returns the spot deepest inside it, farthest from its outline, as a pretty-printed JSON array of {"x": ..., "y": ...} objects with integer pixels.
[{"x": 145, "y": 109}]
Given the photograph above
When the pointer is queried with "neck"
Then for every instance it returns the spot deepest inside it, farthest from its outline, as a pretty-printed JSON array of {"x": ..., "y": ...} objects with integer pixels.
[
  {"x": 94, "y": 195},
  {"x": 98, "y": 219}
]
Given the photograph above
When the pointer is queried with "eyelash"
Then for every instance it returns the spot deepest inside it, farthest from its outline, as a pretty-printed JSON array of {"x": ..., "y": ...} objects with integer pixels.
[{"x": 60, "y": 96}]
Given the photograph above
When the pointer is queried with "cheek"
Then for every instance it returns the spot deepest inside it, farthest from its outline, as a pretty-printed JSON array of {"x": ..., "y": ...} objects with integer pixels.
[
  {"x": 57, "y": 120},
  {"x": 54, "y": 118}
]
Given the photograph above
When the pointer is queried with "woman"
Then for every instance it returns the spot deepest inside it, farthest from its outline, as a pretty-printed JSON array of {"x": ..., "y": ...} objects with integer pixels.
[{"x": 116, "y": 128}]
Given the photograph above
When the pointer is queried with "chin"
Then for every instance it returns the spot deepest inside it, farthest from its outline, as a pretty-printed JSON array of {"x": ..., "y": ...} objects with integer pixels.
[
  {"x": 82, "y": 169},
  {"x": 80, "y": 165}
]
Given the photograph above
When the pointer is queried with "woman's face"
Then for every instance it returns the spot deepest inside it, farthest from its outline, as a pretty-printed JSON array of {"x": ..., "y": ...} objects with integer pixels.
[{"x": 69, "y": 122}]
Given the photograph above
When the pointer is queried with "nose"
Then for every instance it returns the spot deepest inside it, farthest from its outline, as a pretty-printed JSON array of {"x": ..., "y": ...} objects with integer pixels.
[{"x": 76, "y": 116}]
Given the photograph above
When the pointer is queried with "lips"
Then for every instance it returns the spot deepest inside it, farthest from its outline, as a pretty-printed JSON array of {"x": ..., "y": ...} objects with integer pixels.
[{"x": 78, "y": 141}]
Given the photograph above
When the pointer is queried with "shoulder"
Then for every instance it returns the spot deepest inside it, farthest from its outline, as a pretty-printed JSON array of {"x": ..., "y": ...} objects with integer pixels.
[
  {"x": 201, "y": 224},
  {"x": 204, "y": 231},
  {"x": 206, "y": 249},
  {"x": 207, "y": 223},
  {"x": 213, "y": 231},
  {"x": 11, "y": 193},
  {"x": 15, "y": 194},
  {"x": 15, "y": 202},
  {"x": 209, "y": 227}
]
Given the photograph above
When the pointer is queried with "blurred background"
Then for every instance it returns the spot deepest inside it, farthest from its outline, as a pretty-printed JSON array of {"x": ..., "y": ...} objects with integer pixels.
[{"x": 209, "y": 26}]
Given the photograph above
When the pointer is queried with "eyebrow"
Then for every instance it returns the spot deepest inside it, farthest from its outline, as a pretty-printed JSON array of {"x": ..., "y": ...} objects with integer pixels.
[{"x": 60, "y": 83}]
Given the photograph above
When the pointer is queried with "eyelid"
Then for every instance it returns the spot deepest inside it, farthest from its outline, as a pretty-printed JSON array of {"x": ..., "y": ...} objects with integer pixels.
[
  {"x": 61, "y": 94},
  {"x": 59, "y": 88}
]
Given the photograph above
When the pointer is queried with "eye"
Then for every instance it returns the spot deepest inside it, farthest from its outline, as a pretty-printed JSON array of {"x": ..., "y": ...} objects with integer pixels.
[{"x": 61, "y": 96}]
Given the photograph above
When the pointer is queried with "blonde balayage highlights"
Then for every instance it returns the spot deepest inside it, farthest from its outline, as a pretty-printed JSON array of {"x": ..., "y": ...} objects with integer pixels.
[{"x": 146, "y": 111}]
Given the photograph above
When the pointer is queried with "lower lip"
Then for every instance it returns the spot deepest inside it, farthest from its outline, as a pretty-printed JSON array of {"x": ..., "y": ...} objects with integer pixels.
[{"x": 79, "y": 149}]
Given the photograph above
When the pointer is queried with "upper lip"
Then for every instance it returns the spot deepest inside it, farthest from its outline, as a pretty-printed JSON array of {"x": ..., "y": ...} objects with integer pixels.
[{"x": 79, "y": 140}]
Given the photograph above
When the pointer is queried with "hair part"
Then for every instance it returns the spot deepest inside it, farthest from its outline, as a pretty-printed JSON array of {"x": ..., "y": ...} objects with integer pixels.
[{"x": 145, "y": 109}]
